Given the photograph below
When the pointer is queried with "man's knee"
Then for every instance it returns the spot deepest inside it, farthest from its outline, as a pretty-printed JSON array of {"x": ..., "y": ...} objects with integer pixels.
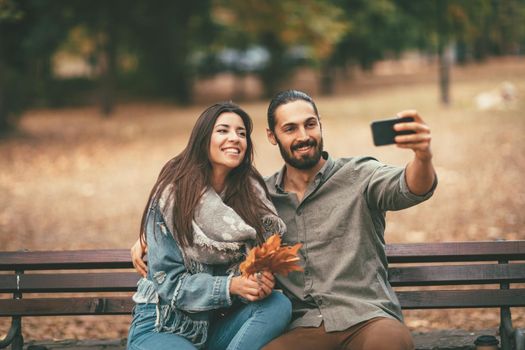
[
  {"x": 275, "y": 344},
  {"x": 384, "y": 333},
  {"x": 301, "y": 338},
  {"x": 282, "y": 342}
]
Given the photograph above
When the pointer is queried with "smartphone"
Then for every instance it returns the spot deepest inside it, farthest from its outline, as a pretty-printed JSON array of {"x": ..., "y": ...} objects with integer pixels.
[{"x": 383, "y": 130}]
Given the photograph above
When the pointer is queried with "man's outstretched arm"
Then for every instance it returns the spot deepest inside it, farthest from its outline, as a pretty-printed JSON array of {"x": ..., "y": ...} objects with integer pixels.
[{"x": 420, "y": 173}]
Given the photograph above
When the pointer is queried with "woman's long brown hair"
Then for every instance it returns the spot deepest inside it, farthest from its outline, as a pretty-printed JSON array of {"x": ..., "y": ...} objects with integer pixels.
[{"x": 189, "y": 173}]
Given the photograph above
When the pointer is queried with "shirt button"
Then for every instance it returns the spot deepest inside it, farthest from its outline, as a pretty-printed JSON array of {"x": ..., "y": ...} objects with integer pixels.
[{"x": 299, "y": 212}]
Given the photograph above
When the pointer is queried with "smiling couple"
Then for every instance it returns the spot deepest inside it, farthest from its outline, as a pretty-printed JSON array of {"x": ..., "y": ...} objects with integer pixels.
[{"x": 209, "y": 205}]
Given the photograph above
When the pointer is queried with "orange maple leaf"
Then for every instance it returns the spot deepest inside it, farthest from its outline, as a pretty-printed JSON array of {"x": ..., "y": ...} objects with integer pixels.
[{"x": 270, "y": 256}]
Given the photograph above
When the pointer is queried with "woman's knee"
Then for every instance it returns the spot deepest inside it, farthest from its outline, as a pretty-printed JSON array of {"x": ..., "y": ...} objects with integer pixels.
[
  {"x": 279, "y": 306},
  {"x": 279, "y": 300}
]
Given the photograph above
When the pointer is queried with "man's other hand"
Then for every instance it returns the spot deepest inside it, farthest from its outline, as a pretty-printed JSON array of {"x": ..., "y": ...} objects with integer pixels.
[{"x": 138, "y": 251}]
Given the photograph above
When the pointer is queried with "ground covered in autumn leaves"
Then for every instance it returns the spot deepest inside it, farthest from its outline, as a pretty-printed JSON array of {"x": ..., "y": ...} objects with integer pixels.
[{"x": 71, "y": 179}]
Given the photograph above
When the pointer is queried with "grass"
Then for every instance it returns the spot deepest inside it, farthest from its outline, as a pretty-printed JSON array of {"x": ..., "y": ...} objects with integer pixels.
[{"x": 75, "y": 180}]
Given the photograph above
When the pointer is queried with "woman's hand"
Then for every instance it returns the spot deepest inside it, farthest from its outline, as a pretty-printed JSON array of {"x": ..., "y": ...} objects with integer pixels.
[
  {"x": 253, "y": 288},
  {"x": 245, "y": 287},
  {"x": 266, "y": 282},
  {"x": 137, "y": 257}
]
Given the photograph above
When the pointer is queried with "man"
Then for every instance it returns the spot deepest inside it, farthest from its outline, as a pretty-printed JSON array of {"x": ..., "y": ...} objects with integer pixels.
[{"x": 336, "y": 208}]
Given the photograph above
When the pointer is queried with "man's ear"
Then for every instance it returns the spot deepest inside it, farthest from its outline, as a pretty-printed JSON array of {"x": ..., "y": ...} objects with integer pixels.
[{"x": 271, "y": 137}]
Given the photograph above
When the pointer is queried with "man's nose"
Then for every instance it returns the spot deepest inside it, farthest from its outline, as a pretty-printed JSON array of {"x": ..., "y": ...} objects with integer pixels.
[{"x": 302, "y": 134}]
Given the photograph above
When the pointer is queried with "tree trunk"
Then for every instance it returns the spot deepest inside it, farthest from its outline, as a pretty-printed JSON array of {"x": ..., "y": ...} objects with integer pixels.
[
  {"x": 109, "y": 64},
  {"x": 443, "y": 51},
  {"x": 239, "y": 87},
  {"x": 444, "y": 74},
  {"x": 5, "y": 126},
  {"x": 276, "y": 71},
  {"x": 327, "y": 79}
]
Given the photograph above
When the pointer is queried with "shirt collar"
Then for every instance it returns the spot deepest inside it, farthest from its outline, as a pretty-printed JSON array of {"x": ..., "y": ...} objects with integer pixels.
[{"x": 322, "y": 174}]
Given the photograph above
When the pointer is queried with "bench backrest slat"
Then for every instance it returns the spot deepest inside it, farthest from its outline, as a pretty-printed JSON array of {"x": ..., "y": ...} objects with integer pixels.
[
  {"x": 449, "y": 299},
  {"x": 70, "y": 282},
  {"x": 457, "y": 274},
  {"x": 396, "y": 253},
  {"x": 69, "y": 306},
  {"x": 72, "y": 259},
  {"x": 456, "y": 251}
]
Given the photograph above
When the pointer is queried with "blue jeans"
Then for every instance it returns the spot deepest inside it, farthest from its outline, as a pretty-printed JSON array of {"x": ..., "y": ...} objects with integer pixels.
[{"x": 250, "y": 326}]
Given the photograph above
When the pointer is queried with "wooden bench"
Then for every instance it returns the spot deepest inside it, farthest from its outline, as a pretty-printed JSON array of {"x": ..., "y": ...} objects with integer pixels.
[{"x": 413, "y": 267}]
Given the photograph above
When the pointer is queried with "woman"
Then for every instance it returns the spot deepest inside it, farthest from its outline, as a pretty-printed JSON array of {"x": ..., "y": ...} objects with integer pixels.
[{"x": 208, "y": 206}]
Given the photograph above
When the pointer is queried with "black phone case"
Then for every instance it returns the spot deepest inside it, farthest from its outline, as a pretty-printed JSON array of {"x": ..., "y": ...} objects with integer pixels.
[{"x": 383, "y": 130}]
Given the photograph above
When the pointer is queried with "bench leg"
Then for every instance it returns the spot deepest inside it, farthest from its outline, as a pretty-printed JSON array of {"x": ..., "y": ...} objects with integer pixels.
[
  {"x": 14, "y": 336},
  {"x": 18, "y": 340},
  {"x": 519, "y": 339},
  {"x": 510, "y": 338}
]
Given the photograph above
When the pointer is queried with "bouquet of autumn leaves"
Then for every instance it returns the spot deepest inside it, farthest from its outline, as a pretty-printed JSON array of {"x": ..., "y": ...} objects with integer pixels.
[{"x": 271, "y": 256}]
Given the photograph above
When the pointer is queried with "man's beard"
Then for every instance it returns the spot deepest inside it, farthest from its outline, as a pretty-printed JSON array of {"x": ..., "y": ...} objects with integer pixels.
[{"x": 306, "y": 161}]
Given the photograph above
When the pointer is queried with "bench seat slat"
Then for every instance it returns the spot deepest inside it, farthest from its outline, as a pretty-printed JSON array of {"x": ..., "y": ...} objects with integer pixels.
[
  {"x": 69, "y": 306},
  {"x": 449, "y": 299},
  {"x": 457, "y": 274},
  {"x": 70, "y": 282}
]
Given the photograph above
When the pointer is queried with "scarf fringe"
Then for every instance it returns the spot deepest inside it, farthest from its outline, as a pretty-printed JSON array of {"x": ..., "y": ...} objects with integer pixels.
[
  {"x": 146, "y": 292},
  {"x": 194, "y": 267},
  {"x": 172, "y": 320}
]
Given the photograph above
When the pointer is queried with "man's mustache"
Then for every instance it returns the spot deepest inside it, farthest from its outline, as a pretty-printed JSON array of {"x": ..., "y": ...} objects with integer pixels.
[{"x": 307, "y": 143}]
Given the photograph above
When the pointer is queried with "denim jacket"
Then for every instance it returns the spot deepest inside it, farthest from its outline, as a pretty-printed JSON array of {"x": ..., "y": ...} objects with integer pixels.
[{"x": 185, "y": 300}]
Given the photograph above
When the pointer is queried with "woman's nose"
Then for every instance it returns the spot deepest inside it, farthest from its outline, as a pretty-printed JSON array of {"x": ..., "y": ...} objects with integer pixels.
[{"x": 232, "y": 136}]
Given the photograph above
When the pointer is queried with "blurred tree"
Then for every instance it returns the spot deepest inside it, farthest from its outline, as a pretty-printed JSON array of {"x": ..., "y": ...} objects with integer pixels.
[
  {"x": 478, "y": 28},
  {"x": 30, "y": 32},
  {"x": 280, "y": 25},
  {"x": 164, "y": 34},
  {"x": 377, "y": 28},
  {"x": 107, "y": 23},
  {"x": 164, "y": 40},
  {"x": 104, "y": 24},
  {"x": 10, "y": 18},
  {"x": 161, "y": 35},
  {"x": 502, "y": 27},
  {"x": 440, "y": 22}
]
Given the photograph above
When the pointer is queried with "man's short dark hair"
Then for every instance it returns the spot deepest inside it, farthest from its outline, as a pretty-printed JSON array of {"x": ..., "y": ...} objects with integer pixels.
[{"x": 283, "y": 98}]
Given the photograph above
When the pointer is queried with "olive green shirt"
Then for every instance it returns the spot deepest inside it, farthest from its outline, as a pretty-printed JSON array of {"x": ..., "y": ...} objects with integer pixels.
[{"x": 341, "y": 223}]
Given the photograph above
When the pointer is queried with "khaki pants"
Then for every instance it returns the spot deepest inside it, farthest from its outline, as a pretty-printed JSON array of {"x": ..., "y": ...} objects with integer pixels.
[{"x": 375, "y": 334}]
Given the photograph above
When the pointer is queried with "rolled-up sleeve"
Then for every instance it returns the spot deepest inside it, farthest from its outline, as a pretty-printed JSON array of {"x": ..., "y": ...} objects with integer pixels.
[{"x": 387, "y": 189}]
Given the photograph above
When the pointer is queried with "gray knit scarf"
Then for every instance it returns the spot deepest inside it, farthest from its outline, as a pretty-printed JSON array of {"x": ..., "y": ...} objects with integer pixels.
[{"x": 220, "y": 235}]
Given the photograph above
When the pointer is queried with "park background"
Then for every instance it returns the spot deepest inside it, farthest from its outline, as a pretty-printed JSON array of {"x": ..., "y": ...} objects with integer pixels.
[{"x": 96, "y": 95}]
